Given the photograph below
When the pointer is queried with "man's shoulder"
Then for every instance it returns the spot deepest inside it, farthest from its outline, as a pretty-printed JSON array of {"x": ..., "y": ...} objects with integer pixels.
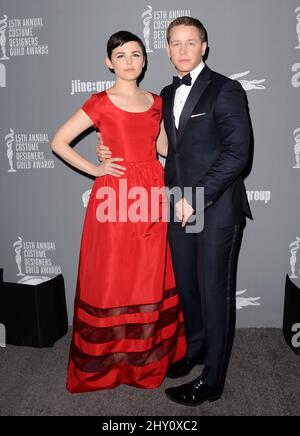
[
  {"x": 221, "y": 81},
  {"x": 220, "y": 78},
  {"x": 166, "y": 90}
]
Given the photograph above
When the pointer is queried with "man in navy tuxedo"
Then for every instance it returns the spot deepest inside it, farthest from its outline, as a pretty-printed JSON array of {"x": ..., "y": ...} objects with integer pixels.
[{"x": 207, "y": 125}]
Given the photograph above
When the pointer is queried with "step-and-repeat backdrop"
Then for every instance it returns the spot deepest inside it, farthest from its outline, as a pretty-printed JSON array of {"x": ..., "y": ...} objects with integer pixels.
[{"x": 52, "y": 59}]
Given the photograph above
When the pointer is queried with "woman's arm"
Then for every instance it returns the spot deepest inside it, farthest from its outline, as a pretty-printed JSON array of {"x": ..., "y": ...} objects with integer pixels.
[
  {"x": 162, "y": 141},
  {"x": 73, "y": 127}
]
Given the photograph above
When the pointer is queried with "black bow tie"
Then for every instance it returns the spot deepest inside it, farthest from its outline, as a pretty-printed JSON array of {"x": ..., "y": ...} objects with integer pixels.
[{"x": 186, "y": 80}]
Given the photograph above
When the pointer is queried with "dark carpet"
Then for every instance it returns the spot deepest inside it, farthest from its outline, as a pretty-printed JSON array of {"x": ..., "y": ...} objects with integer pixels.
[{"x": 263, "y": 379}]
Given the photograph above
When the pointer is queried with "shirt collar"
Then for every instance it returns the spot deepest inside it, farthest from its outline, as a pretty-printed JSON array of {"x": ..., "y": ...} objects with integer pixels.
[{"x": 196, "y": 71}]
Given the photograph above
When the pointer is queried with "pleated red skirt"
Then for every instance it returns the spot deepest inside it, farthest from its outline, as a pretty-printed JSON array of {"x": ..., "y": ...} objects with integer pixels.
[{"x": 128, "y": 323}]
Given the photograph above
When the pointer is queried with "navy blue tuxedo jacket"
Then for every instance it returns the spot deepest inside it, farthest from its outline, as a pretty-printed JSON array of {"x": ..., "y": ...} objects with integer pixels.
[{"x": 211, "y": 147}]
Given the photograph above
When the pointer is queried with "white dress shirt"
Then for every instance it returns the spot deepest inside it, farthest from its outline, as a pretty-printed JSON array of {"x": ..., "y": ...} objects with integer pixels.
[{"x": 182, "y": 93}]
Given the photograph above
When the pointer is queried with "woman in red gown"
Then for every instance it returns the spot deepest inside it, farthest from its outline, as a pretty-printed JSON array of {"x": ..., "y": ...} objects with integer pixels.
[{"x": 128, "y": 325}]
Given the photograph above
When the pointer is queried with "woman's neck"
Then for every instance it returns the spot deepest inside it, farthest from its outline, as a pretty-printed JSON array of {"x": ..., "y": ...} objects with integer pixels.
[{"x": 126, "y": 87}]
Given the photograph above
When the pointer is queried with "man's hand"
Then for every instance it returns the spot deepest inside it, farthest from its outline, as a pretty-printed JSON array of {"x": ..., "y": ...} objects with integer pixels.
[
  {"x": 183, "y": 211},
  {"x": 102, "y": 151},
  {"x": 108, "y": 165}
]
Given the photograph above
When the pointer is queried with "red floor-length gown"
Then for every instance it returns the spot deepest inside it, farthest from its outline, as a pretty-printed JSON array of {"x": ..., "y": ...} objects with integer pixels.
[{"x": 128, "y": 324}]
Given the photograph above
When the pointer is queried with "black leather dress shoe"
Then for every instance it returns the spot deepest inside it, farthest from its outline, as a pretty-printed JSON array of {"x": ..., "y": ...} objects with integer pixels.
[
  {"x": 193, "y": 393},
  {"x": 184, "y": 366}
]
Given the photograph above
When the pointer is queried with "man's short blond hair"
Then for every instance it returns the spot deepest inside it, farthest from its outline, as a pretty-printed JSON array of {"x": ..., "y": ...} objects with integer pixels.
[{"x": 188, "y": 21}]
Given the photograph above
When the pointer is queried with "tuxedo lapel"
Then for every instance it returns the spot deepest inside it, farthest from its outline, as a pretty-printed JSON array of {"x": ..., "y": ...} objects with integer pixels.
[
  {"x": 169, "y": 104},
  {"x": 201, "y": 83}
]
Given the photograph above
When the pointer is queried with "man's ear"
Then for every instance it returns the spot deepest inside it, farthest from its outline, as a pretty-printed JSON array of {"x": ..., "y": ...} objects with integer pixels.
[
  {"x": 204, "y": 48},
  {"x": 168, "y": 51}
]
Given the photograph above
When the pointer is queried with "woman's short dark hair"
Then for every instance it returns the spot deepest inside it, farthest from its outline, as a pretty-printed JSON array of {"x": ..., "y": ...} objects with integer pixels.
[{"x": 120, "y": 38}]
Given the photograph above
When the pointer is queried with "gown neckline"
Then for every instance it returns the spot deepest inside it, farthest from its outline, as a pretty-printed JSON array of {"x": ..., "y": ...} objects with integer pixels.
[{"x": 129, "y": 112}]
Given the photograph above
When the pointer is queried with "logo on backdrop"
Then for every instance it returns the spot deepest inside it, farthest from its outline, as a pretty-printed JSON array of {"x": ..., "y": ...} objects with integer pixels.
[
  {"x": 294, "y": 248},
  {"x": 80, "y": 86},
  {"x": 85, "y": 197},
  {"x": 291, "y": 318},
  {"x": 296, "y": 77},
  {"x": 297, "y": 147},
  {"x": 297, "y": 12},
  {"x": 4, "y": 57},
  {"x": 27, "y": 151},
  {"x": 3, "y": 27},
  {"x": 155, "y": 24},
  {"x": 296, "y": 338},
  {"x": 263, "y": 196},
  {"x": 147, "y": 18},
  {"x": 33, "y": 261},
  {"x": 242, "y": 302},
  {"x": 19, "y": 37},
  {"x": 248, "y": 85},
  {"x": 2, "y": 336}
]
